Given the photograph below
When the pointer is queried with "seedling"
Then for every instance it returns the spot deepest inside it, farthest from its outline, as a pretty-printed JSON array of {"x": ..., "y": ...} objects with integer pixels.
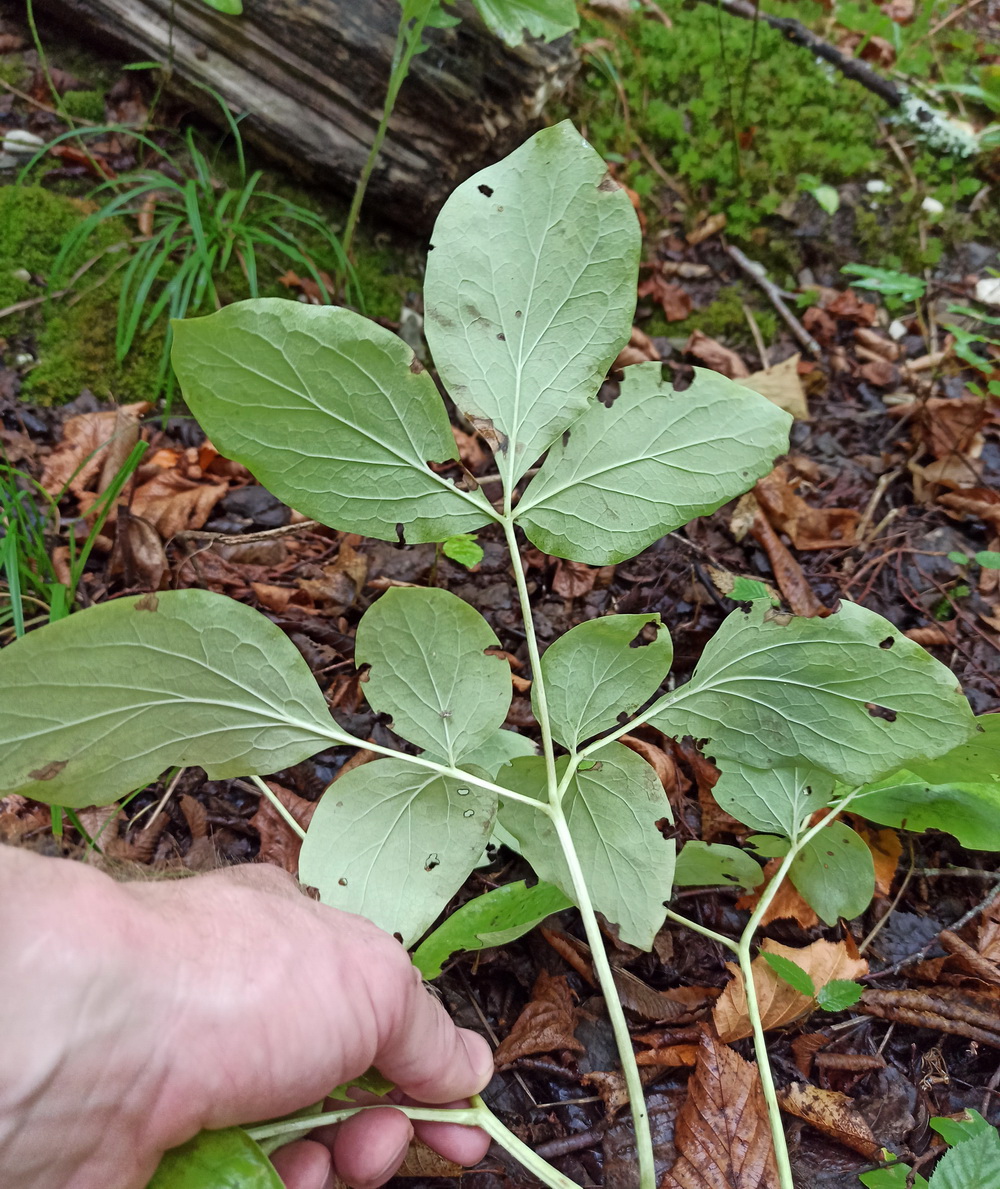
[{"x": 529, "y": 297}]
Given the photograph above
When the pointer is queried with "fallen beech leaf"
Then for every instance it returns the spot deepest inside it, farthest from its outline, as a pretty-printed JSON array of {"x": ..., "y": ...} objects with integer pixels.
[
  {"x": 341, "y": 582},
  {"x": 886, "y": 849},
  {"x": 279, "y": 844},
  {"x": 833, "y": 1114},
  {"x": 805, "y": 1047},
  {"x": 639, "y": 999},
  {"x": 173, "y": 503},
  {"x": 143, "y": 560},
  {"x": 714, "y": 355},
  {"x": 546, "y": 1024},
  {"x": 782, "y": 385},
  {"x": 723, "y": 1138},
  {"x": 780, "y": 1004},
  {"x": 657, "y": 758},
  {"x": 671, "y": 1056},
  {"x": 951, "y": 426},
  {"x": 787, "y": 904},
  {"x": 85, "y": 444},
  {"x": 806, "y": 526},
  {"x": 849, "y": 306}
]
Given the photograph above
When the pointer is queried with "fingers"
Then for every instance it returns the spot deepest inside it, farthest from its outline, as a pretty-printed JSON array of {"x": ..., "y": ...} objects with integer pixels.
[
  {"x": 464, "y": 1145},
  {"x": 369, "y": 1147},
  {"x": 423, "y": 1052},
  {"x": 304, "y": 1165}
]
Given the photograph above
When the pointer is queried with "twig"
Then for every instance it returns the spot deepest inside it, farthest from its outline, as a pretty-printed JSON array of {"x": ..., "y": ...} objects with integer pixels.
[
  {"x": 796, "y": 32},
  {"x": 243, "y": 538},
  {"x": 952, "y": 16},
  {"x": 46, "y": 107},
  {"x": 759, "y": 277}
]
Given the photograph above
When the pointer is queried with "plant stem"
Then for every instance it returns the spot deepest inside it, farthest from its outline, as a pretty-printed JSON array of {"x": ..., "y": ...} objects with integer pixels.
[
  {"x": 703, "y": 930},
  {"x": 279, "y": 807},
  {"x": 581, "y": 893}
]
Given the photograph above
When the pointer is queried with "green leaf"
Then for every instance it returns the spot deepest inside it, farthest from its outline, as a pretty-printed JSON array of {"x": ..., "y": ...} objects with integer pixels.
[
  {"x": 958, "y": 557},
  {"x": 989, "y": 559},
  {"x": 956, "y": 1131},
  {"x": 835, "y": 874},
  {"x": 974, "y": 1162},
  {"x": 887, "y": 281},
  {"x": 849, "y": 694},
  {"x": 612, "y": 809},
  {"x": 430, "y": 672},
  {"x": 495, "y": 918},
  {"x": 512, "y": 19},
  {"x": 894, "y": 1177},
  {"x": 976, "y": 761},
  {"x": 531, "y": 256},
  {"x": 967, "y": 810},
  {"x": 499, "y": 749},
  {"x": 229, "y": 7},
  {"x": 371, "y": 1082},
  {"x": 711, "y": 864},
  {"x": 776, "y": 800},
  {"x": 463, "y": 548},
  {"x": 627, "y": 472},
  {"x": 601, "y": 669},
  {"x": 789, "y": 972},
  {"x": 745, "y": 590},
  {"x": 331, "y": 412},
  {"x": 827, "y": 197},
  {"x": 102, "y": 702},
  {"x": 394, "y": 842},
  {"x": 216, "y": 1160},
  {"x": 839, "y": 994}
]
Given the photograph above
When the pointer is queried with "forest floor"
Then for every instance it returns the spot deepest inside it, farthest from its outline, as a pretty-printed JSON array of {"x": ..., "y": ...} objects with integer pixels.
[{"x": 890, "y": 497}]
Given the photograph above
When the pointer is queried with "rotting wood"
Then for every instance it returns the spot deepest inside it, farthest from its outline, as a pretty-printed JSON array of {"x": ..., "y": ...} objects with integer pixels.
[{"x": 311, "y": 76}]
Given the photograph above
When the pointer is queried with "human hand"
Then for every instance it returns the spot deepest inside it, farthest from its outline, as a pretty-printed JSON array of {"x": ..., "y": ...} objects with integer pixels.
[{"x": 135, "y": 1015}]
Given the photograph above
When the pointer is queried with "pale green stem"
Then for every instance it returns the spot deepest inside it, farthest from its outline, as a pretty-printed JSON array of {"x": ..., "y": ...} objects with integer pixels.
[
  {"x": 703, "y": 930},
  {"x": 276, "y": 802},
  {"x": 581, "y": 893}
]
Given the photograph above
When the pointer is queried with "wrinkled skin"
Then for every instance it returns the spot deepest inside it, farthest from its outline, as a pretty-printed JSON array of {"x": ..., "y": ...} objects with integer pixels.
[{"x": 135, "y": 1014}]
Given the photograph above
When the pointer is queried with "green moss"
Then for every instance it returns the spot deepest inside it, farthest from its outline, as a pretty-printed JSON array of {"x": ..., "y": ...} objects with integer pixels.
[
  {"x": 722, "y": 319},
  {"x": 85, "y": 105},
  {"x": 13, "y": 69},
  {"x": 33, "y": 224}
]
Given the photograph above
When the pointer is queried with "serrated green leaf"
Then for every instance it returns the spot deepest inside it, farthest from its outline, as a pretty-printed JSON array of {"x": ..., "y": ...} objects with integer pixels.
[
  {"x": 974, "y": 1162},
  {"x": 969, "y": 811},
  {"x": 510, "y": 20},
  {"x": 530, "y": 291},
  {"x": 627, "y": 472},
  {"x": 745, "y": 590},
  {"x": 974, "y": 762},
  {"x": 848, "y": 694},
  {"x": 492, "y": 919},
  {"x": 956, "y": 1131},
  {"x": 711, "y": 864},
  {"x": 226, "y": 1159},
  {"x": 331, "y": 412},
  {"x": 601, "y": 669},
  {"x": 776, "y": 800},
  {"x": 463, "y": 548},
  {"x": 790, "y": 973},
  {"x": 429, "y": 670},
  {"x": 394, "y": 842},
  {"x": 105, "y": 700},
  {"x": 835, "y": 874},
  {"x": 839, "y": 994},
  {"x": 894, "y": 1177},
  {"x": 612, "y": 809}
]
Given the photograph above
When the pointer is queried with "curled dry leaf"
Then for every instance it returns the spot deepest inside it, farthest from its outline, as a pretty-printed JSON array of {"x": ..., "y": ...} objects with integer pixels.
[
  {"x": 86, "y": 443},
  {"x": 833, "y": 1114},
  {"x": 723, "y": 1139},
  {"x": 806, "y": 526},
  {"x": 780, "y": 1003},
  {"x": 658, "y": 760},
  {"x": 714, "y": 355},
  {"x": 707, "y": 228},
  {"x": 639, "y": 349},
  {"x": 173, "y": 504},
  {"x": 886, "y": 849},
  {"x": 805, "y": 1047},
  {"x": 672, "y": 299},
  {"x": 787, "y": 904},
  {"x": 782, "y": 384},
  {"x": 546, "y": 1024},
  {"x": 279, "y": 844},
  {"x": 572, "y": 579}
]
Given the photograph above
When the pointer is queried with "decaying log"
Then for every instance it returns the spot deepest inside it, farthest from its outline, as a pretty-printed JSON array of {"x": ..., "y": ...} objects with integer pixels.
[{"x": 312, "y": 74}]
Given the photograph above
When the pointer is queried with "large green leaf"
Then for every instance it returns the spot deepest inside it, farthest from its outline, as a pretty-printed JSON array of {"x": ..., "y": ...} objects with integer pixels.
[
  {"x": 494, "y": 918},
  {"x": 969, "y": 811},
  {"x": 226, "y": 1159},
  {"x": 511, "y": 19},
  {"x": 711, "y": 864},
  {"x": 835, "y": 874},
  {"x": 394, "y": 842},
  {"x": 612, "y": 806},
  {"x": 601, "y": 669},
  {"x": 331, "y": 412},
  {"x": 430, "y": 672},
  {"x": 972, "y": 1164},
  {"x": 849, "y": 694},
  {"x": 775, "y": 800},
  {"x": 975, "y": 762},
  {"x": 499, "y": 749},
  {"x": 530, "y": 291},
  {"x": 102, "y": 702},
  {"x": 627, "y": 472}
]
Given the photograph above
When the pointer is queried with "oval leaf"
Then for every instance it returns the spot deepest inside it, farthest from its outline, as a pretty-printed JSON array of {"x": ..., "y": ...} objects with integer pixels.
[
  {"x": 601, "y": 669},
  {"x": 102, "y": 702},
  {"x": 777, "y": 800},
  {"x": 331, "y": 412},
  {"x": 970, "y": 812},
  {"x": 628, "y": 472},
  {"x": 612, "y": 806},
  {"x": 430, "y": 672},
  {"x": 492, "y": 919},
  {"x": 835, "y": 874},
  {"x": 226, "y": 1159},
  {"x": 975, "y": 762},
  {"x": 714, "y": 864},
  {"x": 530, "y": 291},
  {"x": 849, "y": 694},
  {"x": 393, "y": 843},
  {"x": 497, "y": 750}
]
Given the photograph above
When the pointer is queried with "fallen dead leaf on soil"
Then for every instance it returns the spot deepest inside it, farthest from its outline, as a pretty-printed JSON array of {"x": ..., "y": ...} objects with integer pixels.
[
  {"x": 422, "y": 1161},
  {"x": 279, "y": 844},
  {"x": 723, "y": 1138},
  {"x": 707, "y": 228},
  {"x": 669, "y": 1056},
  {"x": 657, "y": 759},
  {"x": 833, "y": 1114},
  {"x": 886, "y": 849},
  {"x": 308, "y": 288},
  {"x": 782, "y": 385},
  {"x": 849, "y": 306},
  {"x": 339, "y": 583},
  {"x": 900, "y": 11},
  {"x": 780, "y": 1003},
  {"x": 639, "y": 349},
  {"x": 789, "y": 575},
  {"x": 546, "y": 1024},
  {"x": 787, "y": 904},
  {"x": 805, "y": 1047},
  {"x": 952, "y": 1010},
  {"x": 140, "y": 556},
  {"x": 573, "y": 579},
  {"x": 86, "y": 442},
  {"x": 173, "y": 503},
  {"x": 806, "y": 526},
  {"x": 672, "y": 299},
  {"x": 715, "y": 356}
]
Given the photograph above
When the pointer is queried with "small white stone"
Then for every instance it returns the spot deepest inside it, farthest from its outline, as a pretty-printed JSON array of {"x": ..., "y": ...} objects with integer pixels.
[
  {"x": 988, "y": 291},
  {"x": 20, "y": 141},
  {"x": 897, "y": 329},
  {"x": 877, "y": 186},
  {"x": 932, "y": 207}
]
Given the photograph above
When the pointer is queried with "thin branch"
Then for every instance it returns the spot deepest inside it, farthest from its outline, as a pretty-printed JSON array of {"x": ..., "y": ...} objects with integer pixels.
[{"x": 759, "y": 277}]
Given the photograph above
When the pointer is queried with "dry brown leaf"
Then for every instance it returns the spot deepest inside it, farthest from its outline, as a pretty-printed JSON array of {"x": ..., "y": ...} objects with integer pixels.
[
  {"x": 805, "y": 1047},
  {"x": 886, "y": 849},
  {"x": 640, "y": 1000},
  {"x": 900, "y": 11},
  {"x": 86, "y": 442},
  {"x": 806, "y": 526},
  {"x": 173, "y": 503},
  {"x": 672, "y": 299},
  {"x": 952, "y": 426},
  {"x": 143, "y": 560},
  {"x": 879, "y": 372},
  {"x": 780, "y": 1003},
  {"x": 791, "y": 579},
  {"x": 833, "y": 1114},
  {"x": 274, "y": 598},
  {"x": 669, "y": 1056},
  {"x": 201, "y": 854},
  {"x": 983, "y": 503},
  {"x": 849, "y": 306},
  {"x": 572, "y": 579},
  {"x": 657, "y": 759},
  {"x": 786, "y": 905},
  {"x": 782, "y": 385},
  {"x": 279, "y": 844},
  {"x": 714, "y": 355},
  {"x": 611, "y": 1087},
  {"x": 471, "y": 451},
  {"x": 546, "y": 1024},
  {"x": 340, "y": 582},
  {"x": 723, "y": 1137},
  {"x": 422, "y": 1161},
  {"x": 309, "y": 289},
  {"x": 707, "y": 228},
  {"x": 639, "y": 349},
  {"x": 11, "y": 43}
]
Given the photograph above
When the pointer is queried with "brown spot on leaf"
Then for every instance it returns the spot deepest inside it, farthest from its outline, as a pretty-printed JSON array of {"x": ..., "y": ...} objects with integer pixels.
[
  {"x": 49, "y": 771},
  {"x": 608, "y": 185},
  {"x": 416, "y": 366},
  {"x": 148, "y": 602},
  {"x": 882, "y": 712}
]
